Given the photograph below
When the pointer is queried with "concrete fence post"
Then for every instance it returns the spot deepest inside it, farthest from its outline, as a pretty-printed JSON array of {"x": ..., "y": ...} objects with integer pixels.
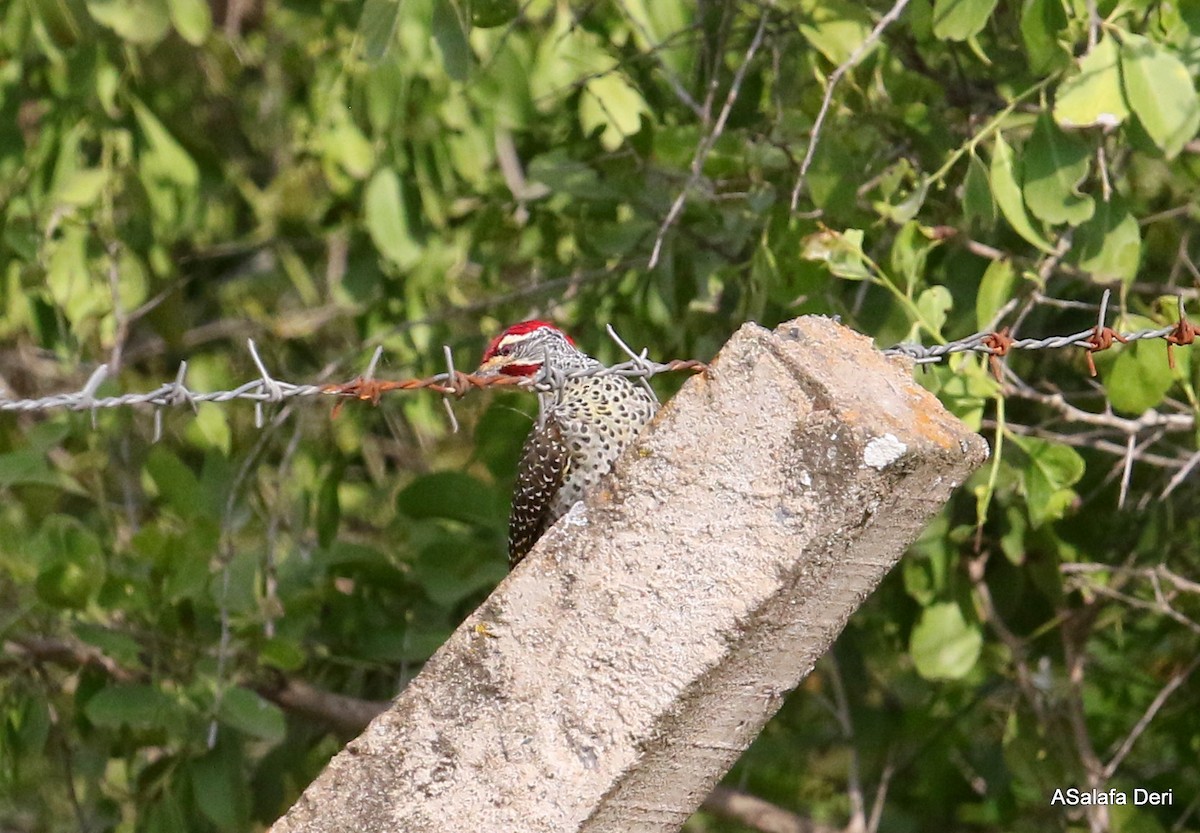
[{"x": 610, "y": 681}]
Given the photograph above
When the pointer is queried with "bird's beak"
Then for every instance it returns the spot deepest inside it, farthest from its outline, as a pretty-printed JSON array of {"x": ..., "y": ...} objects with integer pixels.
[
  {"x": 508, "y": 366},
  {"x": 494, "y": 366}
]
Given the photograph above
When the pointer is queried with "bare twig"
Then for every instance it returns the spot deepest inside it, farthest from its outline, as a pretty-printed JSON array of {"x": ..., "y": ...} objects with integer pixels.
[
  {"x": 64, "y": 652},
  {"x": 841, "y": 709},
  {"x": 857, "y": 55},
  {"x": 672, "y": 79},
  {"x": 706, "y": 146},
  {"x": 1177, "y": 679},
  {"x": 759, "y": 814}
]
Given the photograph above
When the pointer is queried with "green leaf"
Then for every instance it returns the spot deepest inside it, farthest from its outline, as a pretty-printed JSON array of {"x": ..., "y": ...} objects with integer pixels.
[
  {"x": 131, "y": 280},
  {"x": 500, "y": 433},
  {"x": 1008, "y": 195},
  {"x": 210, "y": 427},
  {"x": 247, "y": 712},
  {"x": 163, "y": 815},
  {"x": 219, "y": 788},
  {"x": 934, "y": 303},
  {"x": 563, "y": 175},
  {"x": 910, "y": 250},
  {"x": 282, "y": 653},
  {"x": 944, "y": 646},
  {"x": 165, "y": 158},
  {"x": 1047, "y": 477},
  {"x": 377, "y": 27},
  {"x": 137, "y": 21},
  {"x": 1092, "y": 95},
  {"x": 836, "y": 28},
  {"x": 192, "y": 19},
  {"x": 1042, "y": 22},
  {"x": 841, "y": 252},
  {"x": 449, "y": 572},
  {"x": 451, "y": 39},
  {"x": 906, "y": 208},
  {"x": 387, "y": 219},
  {"x": 23, "y": 468},
  {"x": 658, "y": 23},
  {"x": 329, "y": 510},
  {"x": 486, "y": 14},
  {"x": 121, "y": 647},
  {"x": 979, "y": 207},
  {"x": 82, "y": 188},
  {"x": 27, "y": 723},
  {"x": 832, "y": 185},
  {"x": 567, "y": 55},
  {"x": 995, "y": 288},
  {"x": 966, "y": 391},
  {"x": 1012, "y": 542},
  {"x": 69, "y": 278},
  {"x": 919, "y": 578},
  {"x": 1109, "y": 245},
  {"x": 451, "y": 495},
  {"x": 136, "y": 706},
  {"x": 960, "y": 19},
  {"x": 1139, "y": 377},
  {"x": 71, "y": 562},
  {"x": 346, "y": 146},
  {"x": 1055, "y": 165},
  {"x": 614, "y": 104},
  {"x": 1160, "y": 91},
  {"x": 177, "y": 484},
  {"x": 169, "y": 176}
]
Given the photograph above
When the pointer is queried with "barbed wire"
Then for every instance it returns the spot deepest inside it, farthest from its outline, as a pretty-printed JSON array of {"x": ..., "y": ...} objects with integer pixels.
[
  {"x": 267, "y": 389},
  {"x": 1094, "y": 339}
]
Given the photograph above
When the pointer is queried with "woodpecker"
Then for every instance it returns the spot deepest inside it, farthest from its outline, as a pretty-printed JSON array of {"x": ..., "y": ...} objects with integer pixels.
[{"x": 582, "y": 426}]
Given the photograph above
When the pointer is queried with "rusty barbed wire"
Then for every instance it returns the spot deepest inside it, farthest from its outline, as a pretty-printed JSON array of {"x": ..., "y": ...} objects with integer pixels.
[
  {"x": 267, "y": 389},
  {"x": 1100, "y": 337}
]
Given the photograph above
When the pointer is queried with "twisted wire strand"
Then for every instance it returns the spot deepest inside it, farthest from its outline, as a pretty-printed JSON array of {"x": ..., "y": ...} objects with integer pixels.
[{"x": 267, "y": 389}]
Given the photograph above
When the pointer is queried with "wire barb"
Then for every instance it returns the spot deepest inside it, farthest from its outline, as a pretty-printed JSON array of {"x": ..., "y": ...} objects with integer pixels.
[
  {"x": 274, "y": 393},
  {"x": 452, "y": 375},
  {"x": 637, "y": 358},
  {"x": 373, "y": 365},
  {"x": 1184, "y": 333}
]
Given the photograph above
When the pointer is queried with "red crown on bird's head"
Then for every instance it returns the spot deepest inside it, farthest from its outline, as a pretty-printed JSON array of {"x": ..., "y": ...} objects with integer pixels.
[
  {"x": 504, "y": 355},
  {"x": 522, "y": 329}
]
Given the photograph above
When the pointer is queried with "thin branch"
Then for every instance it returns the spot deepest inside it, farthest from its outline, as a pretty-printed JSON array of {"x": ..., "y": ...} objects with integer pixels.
[
  {"x": 858, "y": 816},
  {"x": 67, "y": 653},
  {"x": 857, "y": 55},
  {"x": 1177, "y": 679},
  {"x": 1182, "y": 474},
  {"x": 706, "y": 145},
  {"x": 1127, "y": 469},
  {"x": 1074, "y": 633},
  {"x": 672, "y": 79},
  {"x": 1148, "y": 420},
  {"x": 1087, "y": 440},
  {"x": 346, "y": 715},
  {"x": 1026, "y": 680},
  {"x": 881, "y": 790},
  {"x": 759, "y": 814}
]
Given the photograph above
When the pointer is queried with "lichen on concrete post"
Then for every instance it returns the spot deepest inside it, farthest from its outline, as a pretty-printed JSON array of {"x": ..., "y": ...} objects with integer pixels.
[{"x": 616, "y": 675}]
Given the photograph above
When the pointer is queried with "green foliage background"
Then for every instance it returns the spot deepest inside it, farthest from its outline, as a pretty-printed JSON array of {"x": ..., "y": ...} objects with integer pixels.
[{"x": 327, "y": 177}]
